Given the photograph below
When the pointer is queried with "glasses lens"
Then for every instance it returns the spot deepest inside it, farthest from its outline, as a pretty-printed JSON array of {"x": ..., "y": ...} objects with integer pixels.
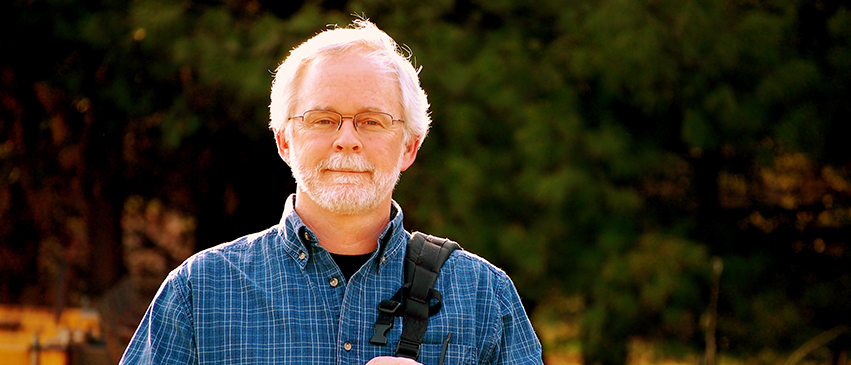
[
  {"x": 373, "y": 122},
  {"x": 322, "y": 121}
]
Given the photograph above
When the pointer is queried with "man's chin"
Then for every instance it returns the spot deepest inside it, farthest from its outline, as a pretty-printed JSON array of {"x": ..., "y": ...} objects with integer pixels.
[
  {"x": 348, "y": 181},
  {"x": 346, "y": 199},
  {"x": 342, "y": 207},
  {"x": 346, "y": 195}
]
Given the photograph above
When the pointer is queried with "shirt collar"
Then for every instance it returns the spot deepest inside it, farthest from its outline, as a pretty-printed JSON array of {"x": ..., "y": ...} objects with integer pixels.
[{"x": 297, "y": 238}]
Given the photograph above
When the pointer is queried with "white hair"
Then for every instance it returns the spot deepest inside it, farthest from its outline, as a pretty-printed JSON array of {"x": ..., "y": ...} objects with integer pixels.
[{"x": 362, "y": 36}]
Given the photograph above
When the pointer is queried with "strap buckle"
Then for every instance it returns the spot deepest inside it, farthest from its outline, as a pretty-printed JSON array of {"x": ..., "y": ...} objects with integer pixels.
[{"x": 388, "y": 309}]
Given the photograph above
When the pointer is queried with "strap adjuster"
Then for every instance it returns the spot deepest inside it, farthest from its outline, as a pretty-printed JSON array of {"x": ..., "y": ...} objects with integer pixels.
[
  {"x": 409, "y": 349},
  {"x": 389, "y": 306}
]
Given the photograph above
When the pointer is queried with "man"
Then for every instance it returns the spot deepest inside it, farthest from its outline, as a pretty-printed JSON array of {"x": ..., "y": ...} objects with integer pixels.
[{"x": 348, "y": 116}]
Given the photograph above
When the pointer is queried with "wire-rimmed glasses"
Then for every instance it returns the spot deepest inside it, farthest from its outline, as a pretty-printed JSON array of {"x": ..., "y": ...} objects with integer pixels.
[{"x": 326, "y": 122}]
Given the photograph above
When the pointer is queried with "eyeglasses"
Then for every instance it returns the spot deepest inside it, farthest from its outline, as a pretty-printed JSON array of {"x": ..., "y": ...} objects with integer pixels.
[{"x": 323, "y": 121}]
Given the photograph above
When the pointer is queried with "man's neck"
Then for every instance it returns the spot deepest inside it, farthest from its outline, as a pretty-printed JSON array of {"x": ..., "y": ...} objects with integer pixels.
[{"x": 344, "y": 234}]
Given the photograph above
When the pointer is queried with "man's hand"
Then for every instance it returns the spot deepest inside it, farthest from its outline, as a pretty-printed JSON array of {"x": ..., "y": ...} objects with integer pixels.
[{"x": 389, "y": 360}]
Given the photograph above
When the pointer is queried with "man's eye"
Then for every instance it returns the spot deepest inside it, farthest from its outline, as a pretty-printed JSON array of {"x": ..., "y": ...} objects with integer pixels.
[{"x": 324, "y": 121}]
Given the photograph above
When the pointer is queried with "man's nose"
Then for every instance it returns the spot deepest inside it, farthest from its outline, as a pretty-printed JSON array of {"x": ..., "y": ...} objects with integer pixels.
[{"x": 347, "y": 137}]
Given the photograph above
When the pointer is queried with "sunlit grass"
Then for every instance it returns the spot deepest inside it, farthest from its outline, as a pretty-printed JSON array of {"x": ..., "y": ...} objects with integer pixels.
[{"x": 557, "y": 326}]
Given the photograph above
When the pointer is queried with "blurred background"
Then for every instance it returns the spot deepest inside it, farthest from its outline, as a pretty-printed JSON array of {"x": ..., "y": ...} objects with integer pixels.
[{"x": 666, "y": 181}]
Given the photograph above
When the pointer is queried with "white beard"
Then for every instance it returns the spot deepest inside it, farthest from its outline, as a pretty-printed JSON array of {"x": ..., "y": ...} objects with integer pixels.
[{"x": 345, "y": 193}]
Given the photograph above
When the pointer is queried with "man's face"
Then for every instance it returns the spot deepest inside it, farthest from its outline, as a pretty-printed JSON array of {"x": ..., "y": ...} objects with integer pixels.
[{"x": 347, "y": 172}]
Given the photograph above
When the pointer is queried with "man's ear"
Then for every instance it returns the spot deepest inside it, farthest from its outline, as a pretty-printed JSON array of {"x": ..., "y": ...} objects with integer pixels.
[
  {"x": 410, "y": 153},
  {"x": 283, "y": 146}
]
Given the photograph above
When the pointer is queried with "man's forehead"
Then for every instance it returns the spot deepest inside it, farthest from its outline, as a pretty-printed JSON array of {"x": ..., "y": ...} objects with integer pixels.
[{"x": 349, "y": 83}]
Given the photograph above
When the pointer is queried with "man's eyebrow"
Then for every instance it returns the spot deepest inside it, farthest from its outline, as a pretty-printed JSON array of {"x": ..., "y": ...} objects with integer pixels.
[{"x": 359, "y": 110}]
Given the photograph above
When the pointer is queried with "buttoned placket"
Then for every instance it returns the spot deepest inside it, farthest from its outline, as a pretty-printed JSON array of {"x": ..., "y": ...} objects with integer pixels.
[
  {"x": 346, "y": 333},
  {"x": 332, "y": 289}
]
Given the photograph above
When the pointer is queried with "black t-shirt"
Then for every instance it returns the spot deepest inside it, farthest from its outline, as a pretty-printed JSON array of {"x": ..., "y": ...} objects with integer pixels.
[{"x": 349, "y": 264}]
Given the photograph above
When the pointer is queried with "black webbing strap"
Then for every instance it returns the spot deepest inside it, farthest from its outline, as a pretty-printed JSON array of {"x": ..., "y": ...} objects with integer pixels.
[{"x": 417, "y": 299}]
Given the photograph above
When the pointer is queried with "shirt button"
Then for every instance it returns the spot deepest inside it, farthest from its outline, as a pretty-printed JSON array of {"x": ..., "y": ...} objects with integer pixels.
[
  {"x": 347, "y": 346},
  {"x": 383, "y": 258},
  {"x": 301, "y": 256},
  {"x": 334, "y": 283},
  {"x": 306, "y": 235}
]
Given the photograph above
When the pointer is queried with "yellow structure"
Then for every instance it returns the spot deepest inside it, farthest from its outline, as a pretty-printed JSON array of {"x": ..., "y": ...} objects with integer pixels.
[{"x": 30, "y": 336}]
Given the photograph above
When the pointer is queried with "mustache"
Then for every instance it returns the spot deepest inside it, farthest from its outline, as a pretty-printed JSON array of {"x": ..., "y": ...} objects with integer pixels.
[{"x": 346, "y": 162}]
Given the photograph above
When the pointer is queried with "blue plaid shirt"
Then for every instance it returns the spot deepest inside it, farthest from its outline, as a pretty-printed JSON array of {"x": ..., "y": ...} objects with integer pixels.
[{"x": 277, "y": 297}]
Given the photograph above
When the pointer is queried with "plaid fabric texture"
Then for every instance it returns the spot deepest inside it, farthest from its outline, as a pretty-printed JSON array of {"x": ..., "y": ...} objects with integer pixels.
[{"x": 277, "y": 297}]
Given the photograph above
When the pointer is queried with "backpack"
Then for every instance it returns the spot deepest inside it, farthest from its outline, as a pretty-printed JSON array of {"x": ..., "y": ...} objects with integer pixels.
[{"x": 417, "y": 299}]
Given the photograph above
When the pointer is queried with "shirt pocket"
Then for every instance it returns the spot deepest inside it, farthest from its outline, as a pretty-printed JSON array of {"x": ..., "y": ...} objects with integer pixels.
[{"x": 430, "y": 354}]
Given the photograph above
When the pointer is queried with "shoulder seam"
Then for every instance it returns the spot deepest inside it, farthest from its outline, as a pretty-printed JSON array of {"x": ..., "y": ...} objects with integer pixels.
[{"x": 480, "y": 261}]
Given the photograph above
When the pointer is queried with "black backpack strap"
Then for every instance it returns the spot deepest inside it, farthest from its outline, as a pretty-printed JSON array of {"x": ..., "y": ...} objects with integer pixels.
[
  {"x": 417, "y": 299},
  {"x": 425, "y": 256}
]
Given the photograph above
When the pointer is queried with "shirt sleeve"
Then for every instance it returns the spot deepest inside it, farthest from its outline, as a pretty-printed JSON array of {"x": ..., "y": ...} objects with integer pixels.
[
  {"x": 519, "y": 344},
  {"x": 166, "y": 333}
]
